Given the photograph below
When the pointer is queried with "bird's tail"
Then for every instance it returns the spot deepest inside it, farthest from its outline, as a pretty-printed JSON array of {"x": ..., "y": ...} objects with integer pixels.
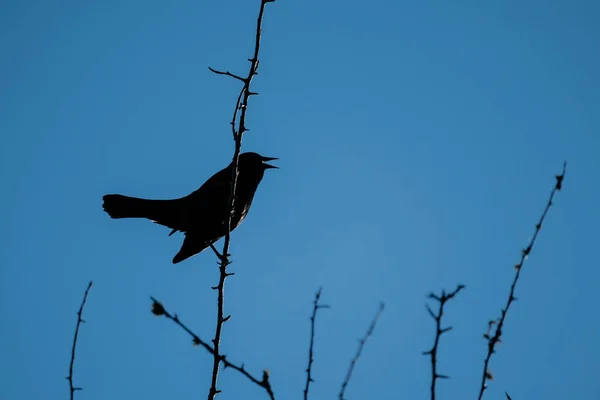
[{"x": 119, "y": 206}]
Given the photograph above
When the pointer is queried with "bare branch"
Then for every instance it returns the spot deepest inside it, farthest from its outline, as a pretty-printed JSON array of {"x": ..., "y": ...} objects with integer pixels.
[
  {"x": 241, "y": 104},
  {"x": 361, "y": 344},
  {"x": 216, "y": 71},
  {"x": 159, "y": 310},
  {"x": 316, "y": 306},
  {"x": 439, "y": 331},
  {"x": 79, "y": 322},
  {"x": 219, "y": 255},
  {"x": 494, "y": 339}
]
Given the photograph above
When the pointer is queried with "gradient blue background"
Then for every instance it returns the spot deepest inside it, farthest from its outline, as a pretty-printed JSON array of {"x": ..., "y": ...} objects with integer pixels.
[{"x": 418, "y": 143}]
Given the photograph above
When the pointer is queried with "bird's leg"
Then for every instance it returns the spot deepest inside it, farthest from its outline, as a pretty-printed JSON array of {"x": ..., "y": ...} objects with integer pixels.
[{"x": 219, "y": 255}]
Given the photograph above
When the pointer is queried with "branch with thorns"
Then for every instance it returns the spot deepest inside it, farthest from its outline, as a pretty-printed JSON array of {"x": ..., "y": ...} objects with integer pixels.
[
  {"x": 361, "y": 344},
  {"x": 442, "y": 300},
  {"x": 159, "y": 310},
  {"x": 316, "y": 307},
  {"x": 79, "y": 322},
  {"x": 493, "y": 338},
  {"x": 241, "y": 105}
]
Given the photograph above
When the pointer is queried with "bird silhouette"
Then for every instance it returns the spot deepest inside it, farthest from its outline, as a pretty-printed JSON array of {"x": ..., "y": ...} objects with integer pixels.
[{"x": 201, "y": 215}]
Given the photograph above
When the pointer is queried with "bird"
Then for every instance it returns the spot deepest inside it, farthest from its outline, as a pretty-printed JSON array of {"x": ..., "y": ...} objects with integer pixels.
[{"x": 203, "y": 214}]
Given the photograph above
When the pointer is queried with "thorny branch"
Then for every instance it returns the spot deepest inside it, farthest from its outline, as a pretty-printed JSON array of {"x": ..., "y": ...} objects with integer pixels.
[
  {"x": 494, "y": 339},
  {"x": 316, "y": 307},
  {"x": 438, "y": 333},
  {"x": 79, "y": 322},
  {"x": 361, "y": 344},
  {"x": 159, "y": 310},
  {"x": 241, "y": 104}
]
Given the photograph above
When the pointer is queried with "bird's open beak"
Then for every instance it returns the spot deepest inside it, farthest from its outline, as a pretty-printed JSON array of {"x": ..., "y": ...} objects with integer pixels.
[{"x": 267, "y": 166}]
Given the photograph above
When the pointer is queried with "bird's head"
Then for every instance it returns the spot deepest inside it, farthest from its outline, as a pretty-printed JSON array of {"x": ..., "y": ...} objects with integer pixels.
[
  {"x": 255, "y": 162},
  {"x": 252, "y": 167}
]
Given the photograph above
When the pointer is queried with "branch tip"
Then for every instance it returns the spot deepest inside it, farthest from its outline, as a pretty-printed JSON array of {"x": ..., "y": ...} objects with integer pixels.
[
  {"x": 493, "y": 338},
  {"x": 72, "y": 388},
  {"x": 439, "y": 331}
]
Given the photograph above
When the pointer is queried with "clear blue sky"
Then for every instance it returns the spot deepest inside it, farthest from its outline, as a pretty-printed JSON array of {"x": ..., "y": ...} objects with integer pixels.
[{"x": 418, "y": 142}]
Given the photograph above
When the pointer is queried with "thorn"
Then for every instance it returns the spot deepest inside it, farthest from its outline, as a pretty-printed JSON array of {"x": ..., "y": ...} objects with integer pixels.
[
  {"x": 430, "y": 312},
  {"x": 446, "y": 329},
  {"x": 226, "y": 318}
]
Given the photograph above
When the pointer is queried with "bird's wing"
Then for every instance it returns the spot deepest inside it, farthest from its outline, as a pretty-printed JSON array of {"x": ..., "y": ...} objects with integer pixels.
[{"x": 192, "y": 245}]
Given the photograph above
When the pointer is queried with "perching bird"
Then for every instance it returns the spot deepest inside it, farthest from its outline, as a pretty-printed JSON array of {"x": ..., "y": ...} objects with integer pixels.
[{"x": 201, "y": 215}]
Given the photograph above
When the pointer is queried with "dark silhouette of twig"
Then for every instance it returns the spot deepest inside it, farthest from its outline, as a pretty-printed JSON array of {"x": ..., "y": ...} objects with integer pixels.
[
  {"x": 507, "y": 396},
  {"x": 361, "y": 344},
  {"x": 159, "y": 310},
  {"x": 316, "y": 306},
  {"x": 442, "y": 299},
  {"x": 239, "y": 78},
  {"x": 79, "y": 322},
  {"x": 241, "y": 104},
  {"x": 494, "y": 339}
]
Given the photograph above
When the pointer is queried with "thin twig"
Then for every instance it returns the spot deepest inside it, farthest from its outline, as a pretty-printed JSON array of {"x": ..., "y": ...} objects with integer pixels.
[
  {"x": 79, "y": 322},
  {"x": 244, "y": 95},
  {"x": 361, "y": 344},
  {"x": 159, "y": 310},
  {"x": 494, "y": 339},
  {"x": 316, "y": 306},
  {"x": 239, "y": 78},
  {"x": 442, "y": 299}
]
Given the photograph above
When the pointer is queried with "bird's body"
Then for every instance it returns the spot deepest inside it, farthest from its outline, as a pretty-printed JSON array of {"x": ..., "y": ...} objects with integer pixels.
[{"x": 203, "y": 214}]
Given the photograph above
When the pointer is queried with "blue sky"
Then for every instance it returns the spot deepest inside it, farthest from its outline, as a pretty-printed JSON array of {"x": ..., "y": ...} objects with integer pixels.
[{"x": 418, "y": 142}]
